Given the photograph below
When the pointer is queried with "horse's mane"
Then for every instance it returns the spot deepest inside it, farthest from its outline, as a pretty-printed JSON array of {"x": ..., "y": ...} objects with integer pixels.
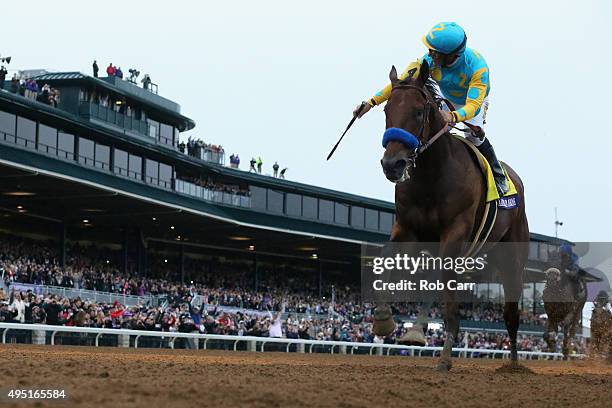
[
  {"x": 430, "y": 86},
  {"x": 433, "y": 89}
]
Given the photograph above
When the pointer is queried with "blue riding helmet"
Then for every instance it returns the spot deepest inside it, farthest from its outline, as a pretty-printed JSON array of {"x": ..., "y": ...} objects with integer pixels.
[
  {"x": 567, "y": 249},
  {"x": 446, "y": 38}
]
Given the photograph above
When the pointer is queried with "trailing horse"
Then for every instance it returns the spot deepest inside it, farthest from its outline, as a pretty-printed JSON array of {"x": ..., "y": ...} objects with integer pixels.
[
  {"x": 601, "y": 332},
  {"x": 440, "y": 196},
  {"x": 564, "y": 297}
]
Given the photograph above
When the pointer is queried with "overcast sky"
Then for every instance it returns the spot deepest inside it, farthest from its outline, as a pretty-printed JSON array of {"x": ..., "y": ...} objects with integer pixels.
[{"x": 280, "y": 79}]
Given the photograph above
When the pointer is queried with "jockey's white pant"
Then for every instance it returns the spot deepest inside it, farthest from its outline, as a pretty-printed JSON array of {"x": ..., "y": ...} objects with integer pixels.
[{"x": 478, "y": 120}]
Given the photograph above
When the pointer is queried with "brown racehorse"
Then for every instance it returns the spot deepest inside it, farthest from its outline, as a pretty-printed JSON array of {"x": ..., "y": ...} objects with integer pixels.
[{"x": 440, "y": 197}]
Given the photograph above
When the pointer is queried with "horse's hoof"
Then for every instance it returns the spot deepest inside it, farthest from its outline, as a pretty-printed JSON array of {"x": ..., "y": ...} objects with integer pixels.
[
  {"x": 383, "y": 321},
  {"x": 413, "y": 337},
  {"x": 444, "y": 366}
]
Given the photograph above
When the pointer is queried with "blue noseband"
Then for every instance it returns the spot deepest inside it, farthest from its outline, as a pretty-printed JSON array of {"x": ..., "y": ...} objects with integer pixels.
[{"x": 400, "y": 135}]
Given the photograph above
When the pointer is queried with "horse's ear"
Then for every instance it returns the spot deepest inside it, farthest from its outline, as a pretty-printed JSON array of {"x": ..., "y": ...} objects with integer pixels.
[
  {"x": 423, "y": 73},
  {"x": 393, "y": 75}
]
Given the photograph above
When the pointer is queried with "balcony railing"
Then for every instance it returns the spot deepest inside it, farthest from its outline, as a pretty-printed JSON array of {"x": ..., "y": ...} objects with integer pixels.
[
  {"x": 106, "y": 114},
  {"x": 223, "y": 197}
]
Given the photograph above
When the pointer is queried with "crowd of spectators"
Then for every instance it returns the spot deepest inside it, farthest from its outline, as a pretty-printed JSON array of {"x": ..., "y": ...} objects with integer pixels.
[
  {"x": 217, "y": 186},
  {"x": 29, "y": 88},
  {"x": 183, "y": 317},
  {"x": 223, "y": 303},
  {"x": 205, "y": 151}
]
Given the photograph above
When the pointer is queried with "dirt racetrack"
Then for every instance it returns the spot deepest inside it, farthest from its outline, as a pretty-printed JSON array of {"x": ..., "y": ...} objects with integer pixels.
[{"x": 113, "y": 377}]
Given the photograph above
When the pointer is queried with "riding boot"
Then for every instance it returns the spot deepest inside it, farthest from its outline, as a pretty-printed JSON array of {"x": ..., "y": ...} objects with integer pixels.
[{"x": 498, "y": 172}]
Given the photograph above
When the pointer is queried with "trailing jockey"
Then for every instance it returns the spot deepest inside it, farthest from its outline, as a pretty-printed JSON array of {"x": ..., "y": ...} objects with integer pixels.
[{"x": 462, "y": 75}]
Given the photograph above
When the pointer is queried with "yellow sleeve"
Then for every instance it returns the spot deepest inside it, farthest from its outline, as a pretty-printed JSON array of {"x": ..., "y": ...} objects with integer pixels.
[
  {"x": 383, "y": 94},
  {"x": 477, "y": 91}
]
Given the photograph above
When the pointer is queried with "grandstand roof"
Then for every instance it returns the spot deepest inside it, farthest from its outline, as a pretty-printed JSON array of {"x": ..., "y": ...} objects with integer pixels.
[{"x": 121, "y": 87}]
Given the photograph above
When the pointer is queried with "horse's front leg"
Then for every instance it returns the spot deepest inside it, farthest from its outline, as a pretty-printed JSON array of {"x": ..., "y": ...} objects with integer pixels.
[
  {"x": 451, "y": 245},
  {"x": 384, "y": 325},
  {"x": 568, "y": 333},
  {"x": 549, "y": 334},
  {"x": 451, "y": 325}
]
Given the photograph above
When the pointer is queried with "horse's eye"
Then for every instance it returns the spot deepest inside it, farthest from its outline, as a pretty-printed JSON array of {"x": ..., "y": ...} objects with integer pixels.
[{"x": 419, "y": 114}]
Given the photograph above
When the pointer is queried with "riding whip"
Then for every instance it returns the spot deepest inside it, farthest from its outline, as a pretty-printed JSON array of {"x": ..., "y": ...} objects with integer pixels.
[{"x": 347, "y": 128}]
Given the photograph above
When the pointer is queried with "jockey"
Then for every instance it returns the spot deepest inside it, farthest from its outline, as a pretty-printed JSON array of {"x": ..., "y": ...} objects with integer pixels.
[
  {"x": 463, "y": 77},
  {"x": 569, "y": 266},
  {"x": 603, "y": 301}
]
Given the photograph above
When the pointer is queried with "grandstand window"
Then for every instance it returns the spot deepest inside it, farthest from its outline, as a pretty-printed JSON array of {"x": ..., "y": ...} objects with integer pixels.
[
  {"x": 275, "y": 201},
  {"x": 84, "y": 95},
  {"x": 533, "y": 250},
  {"x": 482, "y": 292},
  {"x": 309, "y": 207},
  {"x": 7, "y": 123},
  {"x": 165, "y": 134},
  {"x": 120, "y": 162},
  {"x": 527, "y": 299},
  {"x": 151, "y": 171},
  {"x": 135, "y": 167},
  {"x": 386, "y": 221},
  {"x": 26, "y": 132},
  {"x": 153, "y": 128},
  {"x": 102, "y": 156},
  {"x": 326, "y": 210},
  {"x": 293, "y": 203},
  {"x": 65, "y": 145},
  {"x": 357, "y": 216},
  {"x": 86, "y": 151},
  {"x": 258, "y": 197},
  {"x": 165, "y": 175},
  {"x": 47, "y": 139},
  {"x": 545, "y": 251},
  {"x": 539, "y": 286},
  {"x": 371, "y": 219},
  {"x": 496, "y": 292},
  {"x": 341, "y": 213}
]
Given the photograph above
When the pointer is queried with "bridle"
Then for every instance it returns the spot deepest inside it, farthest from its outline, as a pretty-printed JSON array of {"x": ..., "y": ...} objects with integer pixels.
[{"x": 427, "y": 110}]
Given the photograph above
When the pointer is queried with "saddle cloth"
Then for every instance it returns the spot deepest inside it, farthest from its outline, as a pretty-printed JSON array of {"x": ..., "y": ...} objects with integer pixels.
[{"x": 492, "y": 193}]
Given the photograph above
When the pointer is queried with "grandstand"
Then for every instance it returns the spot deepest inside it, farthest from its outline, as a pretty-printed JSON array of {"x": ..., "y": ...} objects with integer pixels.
[{"x": 98, "y": 194}]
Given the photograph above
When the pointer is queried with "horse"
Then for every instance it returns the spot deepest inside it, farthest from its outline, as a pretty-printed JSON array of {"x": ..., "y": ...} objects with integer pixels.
[
  {"x": 601, "y": 332},
  {"x": 442, "y": 200},
  {"x": 564, "y": 298}
]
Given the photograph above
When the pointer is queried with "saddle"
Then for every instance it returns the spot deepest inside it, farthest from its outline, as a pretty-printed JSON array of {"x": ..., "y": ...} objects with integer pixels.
[{"x": 485, "y": 167}]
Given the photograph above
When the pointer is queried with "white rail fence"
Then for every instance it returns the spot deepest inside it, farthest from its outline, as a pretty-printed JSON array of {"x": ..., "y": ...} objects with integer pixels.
[{"x": 39, "y": 336}]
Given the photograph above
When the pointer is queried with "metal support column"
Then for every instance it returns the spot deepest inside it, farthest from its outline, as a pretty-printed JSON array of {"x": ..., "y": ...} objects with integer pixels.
[
  {"x": 534, "y": 298},
  {"x": 182, "y": 262},
  {"x": 126, "y": 236},
  {"x": 256, "y": 273},
  {"x": 320, "y": 279},
  {"x": 139, "y": 250},
  {"x": 62, "y": 245}
]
